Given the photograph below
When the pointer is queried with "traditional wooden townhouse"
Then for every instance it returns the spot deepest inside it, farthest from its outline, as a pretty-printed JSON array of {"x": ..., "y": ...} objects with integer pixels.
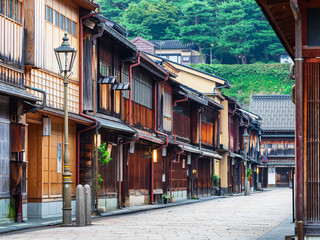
[
  {"x": 210, "y": 86},
  {"x": 236, "y": 153},
  {"x": 46, "y": 23},
  {"x": 277, "y": 143},
  {"x": 199, "y": 135},
  {"x": 14, "y": 102},
  {"x": 244, "y": 142},
  {"x": 252, "y": 126}
]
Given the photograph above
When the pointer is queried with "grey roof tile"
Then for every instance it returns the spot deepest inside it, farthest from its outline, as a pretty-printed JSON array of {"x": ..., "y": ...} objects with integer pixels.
[
  {"x": 277, "y": 112},
  {"x": 17, "y": 92},
  {"x": 172, "y": 44}
]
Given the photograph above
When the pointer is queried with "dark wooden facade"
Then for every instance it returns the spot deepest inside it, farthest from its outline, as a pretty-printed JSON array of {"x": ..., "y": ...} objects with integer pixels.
[{"x": 300, "y": 38}]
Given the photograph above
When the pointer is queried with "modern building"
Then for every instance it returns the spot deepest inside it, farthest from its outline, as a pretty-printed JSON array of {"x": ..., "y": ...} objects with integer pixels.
[
  {"x": 277, "y": 144},
  {"x": 173, "y": 50}
]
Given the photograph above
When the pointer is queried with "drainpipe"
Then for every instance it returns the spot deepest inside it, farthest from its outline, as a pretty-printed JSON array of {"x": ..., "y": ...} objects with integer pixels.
[
  {"x": 299, "y": 101},
  {"x": 130, "y": 83},
  {"x": 226, "y": 84},
  {"x": 43, "y": 100},
  {"x": 81, "y": 95},
  {"x": 156, "y": 131},
  {"x": 200, "y": 119}
]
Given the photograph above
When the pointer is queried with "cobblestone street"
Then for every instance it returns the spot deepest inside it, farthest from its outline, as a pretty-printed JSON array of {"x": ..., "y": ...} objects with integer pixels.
[{"x": 239, "y": 217}]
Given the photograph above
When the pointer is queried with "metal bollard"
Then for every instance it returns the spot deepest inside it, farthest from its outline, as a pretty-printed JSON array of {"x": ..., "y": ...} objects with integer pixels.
[
  {"x": 87, "y": 203},
  {"x": 80, "y": 208}
]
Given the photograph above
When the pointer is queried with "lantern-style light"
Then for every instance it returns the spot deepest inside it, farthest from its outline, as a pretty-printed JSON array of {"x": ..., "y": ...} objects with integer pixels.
[
  {"x": 65, "y": 55},
  {"x": 245, "y": 136}
]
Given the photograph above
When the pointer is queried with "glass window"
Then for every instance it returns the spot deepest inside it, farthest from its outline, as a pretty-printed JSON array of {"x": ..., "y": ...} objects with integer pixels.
[
  {"x": 49, "y": 14},
  {"x": 74, "y": 29},
  {"x": 15, "y": 9},
  {"x": 68, "y": 27},
  {"x": 9, "y": 8},
  {"x": 281, "y": 146},
  {"x": 62, "y": 22},
  {"x": 2, "y": 6},
  {"x": 262, "y": 146},
  {"x": 167, "y": 114},
  {"x": 56, "y": 17},
  {"x": 186, "y": 59},
  {"x": 290, "y": 145}
]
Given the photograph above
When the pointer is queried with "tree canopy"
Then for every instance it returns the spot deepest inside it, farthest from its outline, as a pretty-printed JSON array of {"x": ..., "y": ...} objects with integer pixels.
[{"x": 235, "y": 30}]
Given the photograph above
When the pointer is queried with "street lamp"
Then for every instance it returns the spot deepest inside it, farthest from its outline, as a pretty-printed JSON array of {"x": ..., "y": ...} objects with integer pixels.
[
  {"x": 246, "y": 187},
  {"x": 66, "y": 55}
]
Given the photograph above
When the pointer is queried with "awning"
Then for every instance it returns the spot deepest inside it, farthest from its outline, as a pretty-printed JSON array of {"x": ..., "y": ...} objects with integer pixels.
[
  {"x": 121, "y": 86},
  {"x": 191, "y": 149},
  {"x": 107, "y": 79},
  {"x": 212, "y": 154},
  {"x": 149, "y": 137},
  {"x": 116, "y": 126},
  {"x": 17, "y": 92},
  {"x": 236, "y": 155}
]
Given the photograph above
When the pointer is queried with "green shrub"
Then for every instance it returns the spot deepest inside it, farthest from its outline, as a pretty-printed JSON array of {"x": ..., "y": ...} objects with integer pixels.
[{"x": 251, "y": 79}]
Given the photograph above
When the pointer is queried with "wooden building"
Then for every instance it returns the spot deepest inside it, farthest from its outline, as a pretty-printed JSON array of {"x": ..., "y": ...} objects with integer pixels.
[
  {"x": 14, "y": 101},
  {"x": 210, "y": 86},
  {"x": 45, "y": 25},
  {"x": 173, "y": 50},
  {"x": 241, "y": 122},
  {"x": 296, "y": 24},
  {"x": 277, "y": 143}
]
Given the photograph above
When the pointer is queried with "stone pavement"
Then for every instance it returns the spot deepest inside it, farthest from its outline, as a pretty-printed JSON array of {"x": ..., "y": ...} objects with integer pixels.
[{"x": 242, "y": 217}]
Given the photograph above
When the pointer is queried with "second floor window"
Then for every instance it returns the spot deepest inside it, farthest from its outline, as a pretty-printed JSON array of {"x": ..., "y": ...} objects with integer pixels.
[
  {"x": 12, "y": 9},
  {"x": 167, "y": 111},
  {"x": 141, "y": 88},
  {"x": 60, "y": 21},
  {"x": 49, "y": 14}
]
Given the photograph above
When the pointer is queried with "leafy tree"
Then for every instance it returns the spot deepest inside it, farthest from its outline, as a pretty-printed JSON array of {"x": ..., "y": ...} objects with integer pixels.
[
  {"x": 244, "y": 31},
  {"x": 114, "y": 9},
  {"x": 196, "y": 25},
  {"x": 152, "y": 19}
]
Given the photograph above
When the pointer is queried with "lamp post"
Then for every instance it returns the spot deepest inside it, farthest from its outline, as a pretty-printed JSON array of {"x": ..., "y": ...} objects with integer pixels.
[
  {"x": 66, "y": 55},
  {"x": 246, "y": 187}
]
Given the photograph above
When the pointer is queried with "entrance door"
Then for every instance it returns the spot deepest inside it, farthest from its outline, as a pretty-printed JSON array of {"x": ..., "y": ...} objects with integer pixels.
[
  {"x": 282, "y": 177},
  {"x": 34, "y": 163}
]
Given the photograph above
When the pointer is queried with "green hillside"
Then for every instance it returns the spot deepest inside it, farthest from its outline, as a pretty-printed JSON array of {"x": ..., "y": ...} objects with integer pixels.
[{"x": 252, "y": 79}]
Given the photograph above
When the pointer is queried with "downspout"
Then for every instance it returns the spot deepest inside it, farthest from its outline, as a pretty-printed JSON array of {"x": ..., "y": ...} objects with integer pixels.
[
  {"x": 156, "y": 131},
  {"x": 130, "y": 84},
  {"x": 299, "y": 101},
  {"x": 200, "y": 119},
  {"x": 226, "y": 84},
  {"x": 81, "y": 95},
  {"x": 43, "y": 100},
  {"x": 125, "y": 141}
]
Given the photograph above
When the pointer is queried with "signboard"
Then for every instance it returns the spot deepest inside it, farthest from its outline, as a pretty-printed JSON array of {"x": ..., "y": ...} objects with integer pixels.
[
  {"x": 264, "y": 159},
  {"x": 59, "y": 158}
]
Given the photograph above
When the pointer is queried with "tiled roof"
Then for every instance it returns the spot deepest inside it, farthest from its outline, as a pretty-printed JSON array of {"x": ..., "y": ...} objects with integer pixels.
[
  {"x": 172, "y": 44},
  {"x": 277, "y": 112},
  {"x": 17, "y": 92}
]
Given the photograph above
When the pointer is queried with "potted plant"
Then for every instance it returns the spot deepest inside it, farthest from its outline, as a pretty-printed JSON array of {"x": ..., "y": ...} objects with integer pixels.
[
  {"x": 171, "y": 199},
  {"x": 165, "y": 198}
]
